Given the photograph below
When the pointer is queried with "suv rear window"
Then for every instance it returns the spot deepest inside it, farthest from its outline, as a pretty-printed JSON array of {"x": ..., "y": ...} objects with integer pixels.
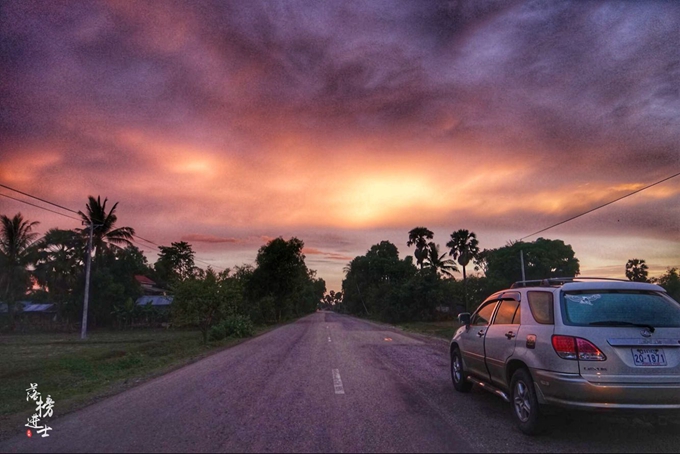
[{"x": 636, "y": 307}]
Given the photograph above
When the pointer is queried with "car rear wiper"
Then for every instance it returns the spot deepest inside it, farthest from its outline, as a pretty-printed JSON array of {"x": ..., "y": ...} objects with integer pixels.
[{"x": 619, "y": 323}]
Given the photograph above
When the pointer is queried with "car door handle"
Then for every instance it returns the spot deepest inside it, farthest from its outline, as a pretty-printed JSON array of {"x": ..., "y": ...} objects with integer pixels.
[
  {"x": 481, "y": 332},
  {"x": 509, "y": 334}
]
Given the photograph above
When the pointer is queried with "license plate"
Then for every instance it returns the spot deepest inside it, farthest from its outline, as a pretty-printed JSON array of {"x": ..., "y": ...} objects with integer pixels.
[{"x": 649, "y": 357}]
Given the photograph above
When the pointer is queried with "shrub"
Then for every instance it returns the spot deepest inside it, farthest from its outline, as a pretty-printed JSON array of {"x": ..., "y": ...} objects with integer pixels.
[
  {"x": 238, "y": 326},
  {"x": 235, "y": 326},
  {"x": 216, "y": 333}
]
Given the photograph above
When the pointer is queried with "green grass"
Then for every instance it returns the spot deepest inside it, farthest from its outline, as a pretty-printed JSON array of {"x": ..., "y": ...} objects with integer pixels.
[
  {"x": 444, "y": 330},
  {"x": 76, "y": 372}
]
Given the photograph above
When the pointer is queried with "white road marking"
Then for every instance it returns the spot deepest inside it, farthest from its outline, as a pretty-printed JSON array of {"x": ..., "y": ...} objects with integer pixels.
[
  {"x": 329, "y": 338},
  {"x": 337, "y": 382}
]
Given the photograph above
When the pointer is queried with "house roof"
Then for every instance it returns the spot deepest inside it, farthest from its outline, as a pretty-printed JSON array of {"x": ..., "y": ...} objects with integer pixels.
[
  {"x": 27, "y": 306},
  {"x": 154, "y": 300},
  {"x": 144, "y": 280}
]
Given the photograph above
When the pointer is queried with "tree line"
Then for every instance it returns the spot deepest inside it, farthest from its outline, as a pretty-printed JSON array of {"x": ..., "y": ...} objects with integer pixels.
[
  {"x": 422, "y": 288},
  {"x": 52, "y": 269},
  {"x": 279, "y": 286}
]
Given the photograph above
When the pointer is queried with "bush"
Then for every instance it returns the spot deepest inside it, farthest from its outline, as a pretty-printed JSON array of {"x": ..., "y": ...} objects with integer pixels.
[
  {"x": 238, "y": 326},
  {"x": 235, "y": 326},
  {"x": 216, "y": 333}
]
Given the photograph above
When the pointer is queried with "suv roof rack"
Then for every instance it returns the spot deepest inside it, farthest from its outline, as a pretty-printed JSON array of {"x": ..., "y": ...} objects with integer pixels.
[{"x": 557, "y": 281}]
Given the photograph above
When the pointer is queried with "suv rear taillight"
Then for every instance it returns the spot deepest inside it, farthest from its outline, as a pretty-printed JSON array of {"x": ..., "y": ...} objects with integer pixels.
[{"x": 569, "y": 347}]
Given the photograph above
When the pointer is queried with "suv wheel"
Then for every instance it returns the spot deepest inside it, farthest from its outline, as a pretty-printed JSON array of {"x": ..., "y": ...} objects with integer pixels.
[
  {"x": 458, "y": 373},
  {"x": 524, "y": 403}
]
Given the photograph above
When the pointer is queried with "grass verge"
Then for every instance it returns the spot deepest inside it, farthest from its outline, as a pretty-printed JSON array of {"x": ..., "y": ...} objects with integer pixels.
[
  {"x": 77, "y": 373},
  {"x": 445, "y": 330}
]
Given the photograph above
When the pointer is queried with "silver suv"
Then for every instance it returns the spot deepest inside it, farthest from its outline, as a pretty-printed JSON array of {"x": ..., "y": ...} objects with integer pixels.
[{"x": 575, "y": 343}]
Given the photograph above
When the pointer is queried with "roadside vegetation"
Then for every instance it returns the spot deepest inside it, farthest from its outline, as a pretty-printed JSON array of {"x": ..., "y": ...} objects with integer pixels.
[
  {"x": 78, "y": 372},
  {"x": 420, "y": 293},
  {"x": 51, "y": 269},
  {"x": 443, "y": 329},
  {"x": 126, "y": 342}
]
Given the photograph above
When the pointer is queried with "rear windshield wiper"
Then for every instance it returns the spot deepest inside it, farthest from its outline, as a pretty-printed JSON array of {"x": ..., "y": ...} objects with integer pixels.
[{"x": 618, "y": 323}]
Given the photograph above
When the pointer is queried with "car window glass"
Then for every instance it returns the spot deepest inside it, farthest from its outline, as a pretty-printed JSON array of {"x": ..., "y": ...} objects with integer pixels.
[
  {"x": 506, "y": 312},
  {"x": 620, "y": 308},
  {"x": 483, "y": 316},
  {"x": 541, "y": 305},
  {"x": 516, "y": 320}
]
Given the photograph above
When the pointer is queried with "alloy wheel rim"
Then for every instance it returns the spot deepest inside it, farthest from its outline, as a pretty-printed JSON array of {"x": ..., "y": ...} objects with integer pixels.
[
  {"x": 456, "y": 369},
  {"x": 521, "y": 400}
]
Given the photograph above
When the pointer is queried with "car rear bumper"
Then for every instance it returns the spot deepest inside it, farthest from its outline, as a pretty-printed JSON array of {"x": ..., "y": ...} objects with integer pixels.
[{"x": 575, "y": 392}]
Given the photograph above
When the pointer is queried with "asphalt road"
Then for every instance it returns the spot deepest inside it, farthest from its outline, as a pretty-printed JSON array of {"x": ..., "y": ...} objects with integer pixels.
[{"x": 327, "y": 383}]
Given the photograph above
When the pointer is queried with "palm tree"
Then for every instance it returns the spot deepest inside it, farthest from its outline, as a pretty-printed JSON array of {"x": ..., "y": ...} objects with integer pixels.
[
  {"x": 637, "y": 270},
  {"x": 464, "y": 248},
  {"x": 438, "y": 262},
  {"x": 16, "y": 253},
  {"x": 418, "y": 237},
  {"x": 104, "y": 232}
]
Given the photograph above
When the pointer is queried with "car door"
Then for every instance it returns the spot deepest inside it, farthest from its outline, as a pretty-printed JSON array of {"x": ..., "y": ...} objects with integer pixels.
[
  {"x": 472, "y": 340},
  {"x": 499, "y": 342}
]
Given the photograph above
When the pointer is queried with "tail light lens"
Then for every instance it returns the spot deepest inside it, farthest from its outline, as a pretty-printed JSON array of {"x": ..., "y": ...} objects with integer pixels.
[{"x": 569, "y": 347}]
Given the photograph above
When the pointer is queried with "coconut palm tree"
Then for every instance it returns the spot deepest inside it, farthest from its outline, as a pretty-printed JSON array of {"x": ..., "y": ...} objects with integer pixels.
[
  {"x": 464, "y": 248},
  {"x": 438, "y": 262},
  {"x": 104, "y": 232},
  {"x": 16, "y": 253},
  {"x": 418, "y": 237}
]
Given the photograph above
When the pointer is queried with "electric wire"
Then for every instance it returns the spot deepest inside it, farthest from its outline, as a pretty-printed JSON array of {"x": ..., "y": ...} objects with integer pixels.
[
  {"x": 38, "y": 198},
  {"x": 600, "y": 206},
  {"x": 76, "y": 212},
  {"x": 38, "y": 206}
]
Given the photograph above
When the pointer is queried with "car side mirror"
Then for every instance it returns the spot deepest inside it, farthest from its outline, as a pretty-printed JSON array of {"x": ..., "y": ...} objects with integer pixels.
[{"x": 464, "y": 319}]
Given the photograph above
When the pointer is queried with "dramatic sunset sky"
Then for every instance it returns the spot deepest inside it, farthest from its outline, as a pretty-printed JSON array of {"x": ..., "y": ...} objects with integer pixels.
[{"x": 344, "y": 123}]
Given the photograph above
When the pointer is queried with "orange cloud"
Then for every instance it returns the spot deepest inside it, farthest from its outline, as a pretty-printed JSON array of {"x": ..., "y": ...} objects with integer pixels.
[
  {"x": 329, "y": 255},
  {"x": 199, "y": 238}
]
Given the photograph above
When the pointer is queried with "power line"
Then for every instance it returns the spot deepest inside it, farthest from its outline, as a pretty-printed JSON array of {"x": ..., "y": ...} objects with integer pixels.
[
  {"x": 38, "y": 198},
  {"x": 601, "y": 206},
  {"x": 77, "y": 219},
  {"x": 38, "y": 206},
  {"x": 148, "y": 241}
]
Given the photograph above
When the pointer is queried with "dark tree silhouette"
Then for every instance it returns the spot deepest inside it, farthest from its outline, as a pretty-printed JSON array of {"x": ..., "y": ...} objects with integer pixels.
[
  {"x": 175, "y": 263},
  {"x": 16, "y": 253},
  {"x": 419, "y": 237},
  {"x": 439, "y": 263},
  {"x": 637, "y": 270},
  {"x": 105, "y": 232},
  {"x": 464, "y": 248}
]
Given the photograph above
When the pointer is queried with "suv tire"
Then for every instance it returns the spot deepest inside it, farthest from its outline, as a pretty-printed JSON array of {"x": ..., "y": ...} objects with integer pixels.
[
  {"x": 458, "y": 378},
  {"x": 524, "y": 403}
]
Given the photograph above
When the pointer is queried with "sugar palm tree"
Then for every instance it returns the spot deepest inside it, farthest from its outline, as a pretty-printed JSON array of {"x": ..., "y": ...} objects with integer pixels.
[
  {"x": 439, "y": 263},
  {"x": 16, "y": 253},
  {"x": 59, "y": 263},
  {"x": 464, "y": 248},
  {"x": 637, "y": 270},
  {"x": 104, "y": 232},
  {"x": 418, "y": 236}
]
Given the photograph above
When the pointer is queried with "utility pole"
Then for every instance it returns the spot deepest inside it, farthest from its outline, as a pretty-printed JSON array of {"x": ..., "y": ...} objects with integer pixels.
[
  {"x": 521, "y": 258},
  {"x": 360, "y": 297},
  {"x": 88, "y": 264}
]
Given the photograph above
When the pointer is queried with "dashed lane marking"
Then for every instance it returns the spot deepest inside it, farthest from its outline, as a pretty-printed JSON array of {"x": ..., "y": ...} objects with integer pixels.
[{"x": 337, "y": 382}]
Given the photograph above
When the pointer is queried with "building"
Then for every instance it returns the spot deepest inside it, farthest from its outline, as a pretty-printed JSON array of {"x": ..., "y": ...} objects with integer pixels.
[{"x": 149, "y": 287}]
